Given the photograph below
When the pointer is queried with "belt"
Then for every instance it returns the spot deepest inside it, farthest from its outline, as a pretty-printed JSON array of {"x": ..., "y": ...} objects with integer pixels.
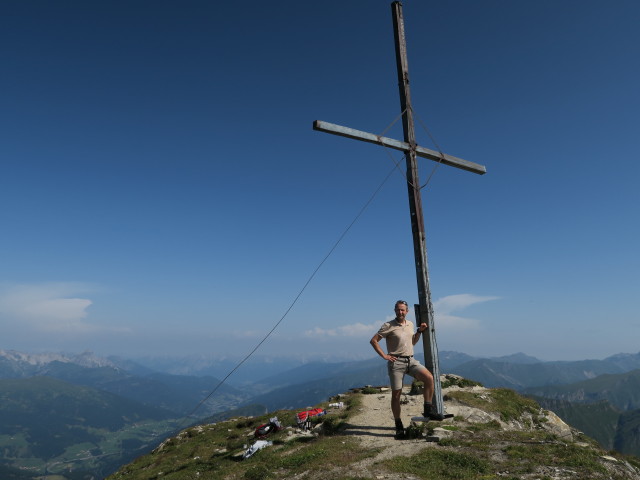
[{"x": 403, "y": 356}]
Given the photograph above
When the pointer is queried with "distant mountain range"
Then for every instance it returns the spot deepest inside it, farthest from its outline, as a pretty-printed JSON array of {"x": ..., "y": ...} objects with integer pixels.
[
  {"x": 177, "y": 393},
  {"x": 82, "y": 413},
  {"x": 520, "y": 371},
  {"x": 88, "y": 415},
  {"x": 620, "y": 390}
]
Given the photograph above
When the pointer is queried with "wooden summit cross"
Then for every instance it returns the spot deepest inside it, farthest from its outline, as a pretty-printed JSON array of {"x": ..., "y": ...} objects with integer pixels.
[{"x": 424, "y": 310}]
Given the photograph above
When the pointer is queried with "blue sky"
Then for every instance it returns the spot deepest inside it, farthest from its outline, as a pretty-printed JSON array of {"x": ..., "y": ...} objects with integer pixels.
[{"x": 163, "y": 191}]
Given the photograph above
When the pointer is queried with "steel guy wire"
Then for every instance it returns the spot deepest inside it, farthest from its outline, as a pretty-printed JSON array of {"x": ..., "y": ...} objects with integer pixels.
[{"x": 295, "y": 300}]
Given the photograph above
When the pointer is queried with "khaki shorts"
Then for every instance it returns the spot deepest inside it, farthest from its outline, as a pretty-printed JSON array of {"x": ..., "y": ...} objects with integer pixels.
[{"x": 398, "y": 369}]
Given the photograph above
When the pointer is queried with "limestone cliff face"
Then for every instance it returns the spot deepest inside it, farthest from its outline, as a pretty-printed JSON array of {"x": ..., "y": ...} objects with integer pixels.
[{"x": 493, "y": 434}]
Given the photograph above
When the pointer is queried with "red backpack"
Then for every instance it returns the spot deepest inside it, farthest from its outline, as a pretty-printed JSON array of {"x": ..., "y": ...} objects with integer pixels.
[{"x": 302, "y": 418}]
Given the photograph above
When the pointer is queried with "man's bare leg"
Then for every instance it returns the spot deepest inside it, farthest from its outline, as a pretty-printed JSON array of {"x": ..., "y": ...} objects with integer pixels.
[
  {"x": 395, "y": 410},
  {"x": 395, "y": 403},
  {"x": 426, "y": 378}
]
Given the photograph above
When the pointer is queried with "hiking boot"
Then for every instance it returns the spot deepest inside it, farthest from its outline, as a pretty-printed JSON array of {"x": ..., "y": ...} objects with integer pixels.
[
  {"x": 399, "y": 430},
  {"x": 431, "y": 414}
]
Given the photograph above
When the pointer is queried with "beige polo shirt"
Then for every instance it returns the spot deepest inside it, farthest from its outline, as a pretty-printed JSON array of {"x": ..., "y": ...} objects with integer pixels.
[{"x": 399, "y": 337}]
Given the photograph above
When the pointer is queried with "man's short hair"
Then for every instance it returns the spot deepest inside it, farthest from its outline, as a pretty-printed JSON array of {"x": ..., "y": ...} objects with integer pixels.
[{"x": 401, "y": 302}]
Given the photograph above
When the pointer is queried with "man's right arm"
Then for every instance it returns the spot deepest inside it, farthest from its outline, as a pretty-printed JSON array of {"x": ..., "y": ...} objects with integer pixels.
[{"x": 376, "y": 346}]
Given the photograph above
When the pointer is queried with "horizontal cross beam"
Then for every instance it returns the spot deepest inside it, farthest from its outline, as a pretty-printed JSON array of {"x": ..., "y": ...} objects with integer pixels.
[{"x": 398, "y": 145}]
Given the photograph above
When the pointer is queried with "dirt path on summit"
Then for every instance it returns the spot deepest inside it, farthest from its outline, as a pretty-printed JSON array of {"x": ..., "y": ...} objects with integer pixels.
[{"x": 375, "y": 428}]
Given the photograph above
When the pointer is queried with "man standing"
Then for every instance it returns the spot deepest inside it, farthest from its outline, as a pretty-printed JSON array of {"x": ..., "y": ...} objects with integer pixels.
[{"x": 400, "y": 341}]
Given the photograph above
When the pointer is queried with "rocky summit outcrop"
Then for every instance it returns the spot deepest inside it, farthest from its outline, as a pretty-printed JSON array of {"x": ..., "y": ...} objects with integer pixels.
[{"x": 492, "y": 434}]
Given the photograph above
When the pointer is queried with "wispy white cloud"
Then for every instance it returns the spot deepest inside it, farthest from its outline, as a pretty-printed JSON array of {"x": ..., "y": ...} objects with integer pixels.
[
  {"x": 445, "y": 306},
  {"x": 461, "y": 301},
  {"x": 52, "y": 306}
]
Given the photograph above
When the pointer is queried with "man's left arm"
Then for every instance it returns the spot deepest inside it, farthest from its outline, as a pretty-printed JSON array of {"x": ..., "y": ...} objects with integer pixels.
[{"x": 416, "y": 336}]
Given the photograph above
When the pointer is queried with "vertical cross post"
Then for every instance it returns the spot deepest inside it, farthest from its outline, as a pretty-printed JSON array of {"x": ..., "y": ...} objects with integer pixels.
[{"x": 424, "y": 310}]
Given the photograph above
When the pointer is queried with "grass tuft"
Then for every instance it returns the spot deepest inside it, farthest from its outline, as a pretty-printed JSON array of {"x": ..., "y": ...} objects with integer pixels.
[
  {"x": 370, "y": 390},
  {"x": 439, "y": 464},
  {"x": 459, "y": 382}
]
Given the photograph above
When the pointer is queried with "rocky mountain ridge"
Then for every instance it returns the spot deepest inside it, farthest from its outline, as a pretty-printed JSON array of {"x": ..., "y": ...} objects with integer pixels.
[{"x": 27, "y": 361}]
